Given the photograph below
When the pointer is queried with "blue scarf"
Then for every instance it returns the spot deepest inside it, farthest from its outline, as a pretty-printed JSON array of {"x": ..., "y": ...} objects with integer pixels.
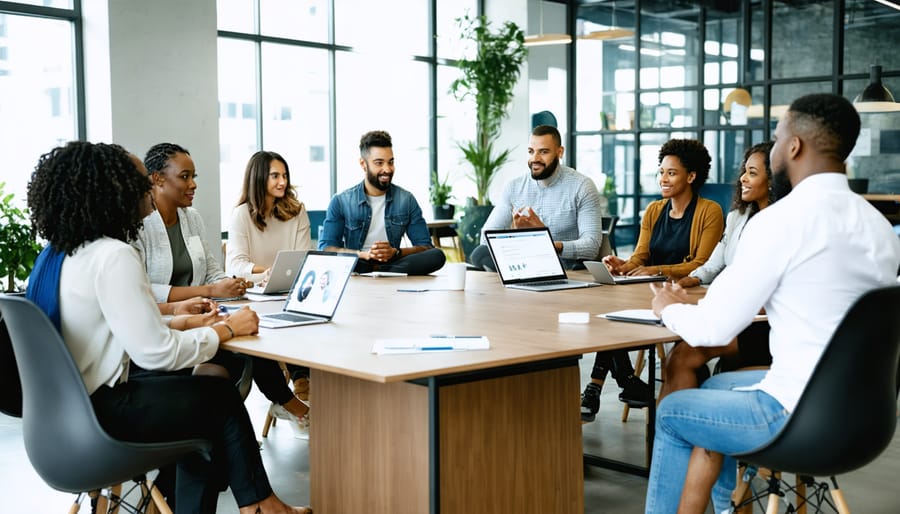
[{"x": 43, "y": 284}]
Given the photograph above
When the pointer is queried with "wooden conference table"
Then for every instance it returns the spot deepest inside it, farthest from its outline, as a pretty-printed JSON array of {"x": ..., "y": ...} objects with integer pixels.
[{"x": 478, "y": 431}]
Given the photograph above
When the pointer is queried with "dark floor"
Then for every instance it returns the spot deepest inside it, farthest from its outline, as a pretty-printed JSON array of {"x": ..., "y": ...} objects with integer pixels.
[{"x": 870, "y": 490}]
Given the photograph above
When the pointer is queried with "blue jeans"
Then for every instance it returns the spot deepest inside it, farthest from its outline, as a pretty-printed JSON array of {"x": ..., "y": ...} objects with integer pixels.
[{"x": 716, "y": 418}]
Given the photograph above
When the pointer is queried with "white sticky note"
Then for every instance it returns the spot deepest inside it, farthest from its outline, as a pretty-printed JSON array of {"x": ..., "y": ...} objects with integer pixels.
[{"x": 574, "y": 317}]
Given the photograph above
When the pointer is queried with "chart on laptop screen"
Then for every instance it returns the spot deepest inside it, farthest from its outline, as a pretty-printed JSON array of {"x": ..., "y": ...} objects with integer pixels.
[{"x": 525, "y": 255}]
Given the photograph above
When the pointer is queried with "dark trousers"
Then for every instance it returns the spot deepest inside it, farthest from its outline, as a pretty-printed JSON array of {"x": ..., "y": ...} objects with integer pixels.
[
  {"x": 267, "y": 374},
  {"x": 421, "y": 263},
  {"x": 168, "y": 407},
  {"x": 616, "y": 362}
]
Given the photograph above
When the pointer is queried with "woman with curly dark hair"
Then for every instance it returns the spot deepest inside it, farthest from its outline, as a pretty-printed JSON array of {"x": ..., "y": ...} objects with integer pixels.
[
  {"x": 678, "y": 234},
  {"x": 753, "y": 193},
  {"x": 88, "y": 200}
]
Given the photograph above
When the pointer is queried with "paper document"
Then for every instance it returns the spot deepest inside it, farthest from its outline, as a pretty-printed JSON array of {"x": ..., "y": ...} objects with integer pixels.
[
  {"x": 645, "y": 316},
  {"x": 383, "y": 274},
  {"x": 253, "y": 297},
  {"x": 438, "y": 343}
]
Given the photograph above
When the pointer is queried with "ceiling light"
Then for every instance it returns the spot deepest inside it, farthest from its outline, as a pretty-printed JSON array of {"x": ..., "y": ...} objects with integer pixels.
[
  {"x": 546, "y": 39},
  {"x": 889, "y": 4},
  {"x": 875, "y": 91},
  {"x": 610, "y": 33}
]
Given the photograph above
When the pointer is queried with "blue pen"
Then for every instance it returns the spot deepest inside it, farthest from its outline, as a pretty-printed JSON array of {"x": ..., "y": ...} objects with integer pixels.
[
  {"x": 455, "y": 337},
  {"x": 424, "y": 348}
]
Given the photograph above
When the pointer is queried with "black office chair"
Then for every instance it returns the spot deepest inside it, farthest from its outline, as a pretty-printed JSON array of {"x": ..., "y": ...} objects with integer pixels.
[
  {"x": 847, "y": 414},
  {"x": 63, "y": 439}
]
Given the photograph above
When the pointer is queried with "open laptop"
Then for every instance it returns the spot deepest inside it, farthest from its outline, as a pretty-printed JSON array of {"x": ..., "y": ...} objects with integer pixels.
[
  {"x": 601, "y": 274},
  {"x": 284, "y": 271},
  {"x": 316, "y": 292},
  {"x": 525, "y": 258}
]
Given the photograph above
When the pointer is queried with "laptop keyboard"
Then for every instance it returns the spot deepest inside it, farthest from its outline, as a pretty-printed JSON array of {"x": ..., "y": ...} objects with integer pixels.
[
  {"x": 551, "y": 282},
  {"x": 290, "y": 317}
]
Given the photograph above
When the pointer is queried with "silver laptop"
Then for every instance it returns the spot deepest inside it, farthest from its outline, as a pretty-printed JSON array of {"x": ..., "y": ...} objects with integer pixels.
[
  {"x": 526, "y": 259},
  {"x": 316, "y": 292},
  {"x": 601, "y": 274},
  {"x": 284, "y": 271}
]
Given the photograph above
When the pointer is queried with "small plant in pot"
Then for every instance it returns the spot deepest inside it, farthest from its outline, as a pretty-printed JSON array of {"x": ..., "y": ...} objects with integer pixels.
[
  {"x": 18, "y": 247},
  {"x": 439, "y": 193}
]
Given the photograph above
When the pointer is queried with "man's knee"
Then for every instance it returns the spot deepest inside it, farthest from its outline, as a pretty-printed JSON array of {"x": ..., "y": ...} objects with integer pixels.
[{"x": 481, "y": 258}]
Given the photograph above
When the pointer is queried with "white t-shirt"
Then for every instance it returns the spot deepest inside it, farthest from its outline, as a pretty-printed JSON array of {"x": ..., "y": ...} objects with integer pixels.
[{"x": 376, "y": 227}]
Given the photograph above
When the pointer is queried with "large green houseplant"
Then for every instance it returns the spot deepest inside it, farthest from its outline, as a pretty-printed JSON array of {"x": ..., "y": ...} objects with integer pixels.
[
  {"x": 18, "y": 247},
  {"x": 488, "y": 80}
]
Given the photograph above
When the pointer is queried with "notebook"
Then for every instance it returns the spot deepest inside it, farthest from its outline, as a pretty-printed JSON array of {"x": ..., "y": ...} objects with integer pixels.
[
  {"x": 601, "y": 274},
  {"x": 316, "y": 292},
  {"x": 525, "y": 258},
  {"x": 284, "y": 271}
]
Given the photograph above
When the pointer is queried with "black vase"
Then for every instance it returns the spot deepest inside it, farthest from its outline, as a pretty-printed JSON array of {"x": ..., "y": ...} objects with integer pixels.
[
  {"x": 470, "y": 224},
  {"x": 443, "y": 212}
]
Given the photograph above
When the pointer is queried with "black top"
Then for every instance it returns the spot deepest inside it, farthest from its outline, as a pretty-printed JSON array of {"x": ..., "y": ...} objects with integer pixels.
[
  {"x": 182, "y": 267},
  {"x": 670, "y": 242}
]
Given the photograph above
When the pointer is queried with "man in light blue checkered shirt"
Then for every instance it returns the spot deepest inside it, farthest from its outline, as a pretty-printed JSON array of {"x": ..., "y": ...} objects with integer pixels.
[{"x": 551, "y": 195}]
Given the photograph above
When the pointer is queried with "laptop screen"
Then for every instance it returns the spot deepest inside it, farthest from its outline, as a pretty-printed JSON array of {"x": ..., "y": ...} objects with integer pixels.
[
  {"x": 523, "y": 255},
  {"x": 320, "y": 283}
]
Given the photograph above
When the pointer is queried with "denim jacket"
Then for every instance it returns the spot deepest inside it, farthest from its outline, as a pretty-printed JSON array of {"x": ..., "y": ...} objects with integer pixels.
[{"x": 349, "y": 216}]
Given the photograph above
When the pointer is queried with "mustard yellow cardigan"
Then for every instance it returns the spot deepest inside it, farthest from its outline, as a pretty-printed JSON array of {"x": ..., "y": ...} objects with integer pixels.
[{"x": 706, "y": 231}]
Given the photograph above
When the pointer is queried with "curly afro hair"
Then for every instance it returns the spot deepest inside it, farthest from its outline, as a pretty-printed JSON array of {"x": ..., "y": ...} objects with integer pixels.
[
  {"x": 693, "y": 156},
  {"x": 83, "y": 191},
  {"x": 736, "y": 201}
]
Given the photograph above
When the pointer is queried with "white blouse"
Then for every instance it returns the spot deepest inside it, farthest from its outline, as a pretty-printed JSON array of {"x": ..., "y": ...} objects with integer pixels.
[{"x": 108, "y": 316}]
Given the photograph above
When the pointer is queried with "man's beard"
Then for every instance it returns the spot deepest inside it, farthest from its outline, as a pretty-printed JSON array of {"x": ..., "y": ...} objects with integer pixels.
[
  {"x": 781, "y": 185},
  {"x": 373, "y": 180},
  {"x": 548, "y": 170}
]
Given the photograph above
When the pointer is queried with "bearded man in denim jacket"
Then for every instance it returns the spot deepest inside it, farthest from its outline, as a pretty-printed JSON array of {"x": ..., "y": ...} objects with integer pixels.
[{"x": 370, "y": 218}]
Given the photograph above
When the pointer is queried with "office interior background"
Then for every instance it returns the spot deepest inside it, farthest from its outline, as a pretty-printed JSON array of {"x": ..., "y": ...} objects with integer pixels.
[{"x": 306, "y": 78}]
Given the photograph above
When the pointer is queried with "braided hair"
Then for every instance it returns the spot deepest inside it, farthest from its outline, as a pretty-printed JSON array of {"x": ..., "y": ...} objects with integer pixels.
[
  {"x": 256, "y": 182},
  {"x": 693, "y": 156},
  {"x": 83, "y": 191},
  {"x": 736, "y": 201},
  {"x": 158, "y": 155}
]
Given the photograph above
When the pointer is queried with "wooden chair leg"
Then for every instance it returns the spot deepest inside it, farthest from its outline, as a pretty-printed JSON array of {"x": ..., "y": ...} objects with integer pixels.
[
  {"x": 838, "y": 496},
  {"x": 270, "y": 421},
  {"x": 741, "y": 493},
  {"x": 159, "y": 502},
  {"x": 801, "y": 493}
]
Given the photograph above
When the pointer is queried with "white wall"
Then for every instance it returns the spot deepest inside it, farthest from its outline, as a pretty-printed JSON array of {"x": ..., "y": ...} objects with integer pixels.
[
  {"x": 151, "y": 77},
  {"x": 516, "y": 129}
]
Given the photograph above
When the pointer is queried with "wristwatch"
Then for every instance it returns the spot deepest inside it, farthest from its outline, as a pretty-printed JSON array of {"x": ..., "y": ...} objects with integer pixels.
[{"x": 397, "y": 254}]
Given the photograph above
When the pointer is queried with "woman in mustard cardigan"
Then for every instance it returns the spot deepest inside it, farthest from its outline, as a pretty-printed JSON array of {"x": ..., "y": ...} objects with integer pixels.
[{"x": 678, "y": 234}]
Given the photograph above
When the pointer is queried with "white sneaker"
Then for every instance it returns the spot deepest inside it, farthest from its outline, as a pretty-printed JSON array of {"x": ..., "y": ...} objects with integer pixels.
[{"x": 300, "y": 426}]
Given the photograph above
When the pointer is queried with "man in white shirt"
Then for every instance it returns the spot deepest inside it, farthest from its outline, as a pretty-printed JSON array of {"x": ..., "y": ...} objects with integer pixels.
[{"x": 806, "y": 259}]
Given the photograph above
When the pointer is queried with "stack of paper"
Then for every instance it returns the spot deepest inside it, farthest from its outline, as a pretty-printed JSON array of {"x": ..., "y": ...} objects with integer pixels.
[
  {"x": 634, "y": 316},
  {"x": 439, "y": 343}
]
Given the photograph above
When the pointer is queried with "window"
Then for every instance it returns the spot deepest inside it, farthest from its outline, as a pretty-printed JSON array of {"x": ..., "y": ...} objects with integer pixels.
[
  {"x": 38, "y": 97},
  {"x": 286, "y": 86}
]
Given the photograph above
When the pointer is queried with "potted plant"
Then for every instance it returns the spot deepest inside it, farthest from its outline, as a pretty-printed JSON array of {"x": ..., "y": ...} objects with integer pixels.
[
  {"x": 488, "y": 79},
  {"x": 440, "y": 193},
  {"x": 18, "y": 247}
]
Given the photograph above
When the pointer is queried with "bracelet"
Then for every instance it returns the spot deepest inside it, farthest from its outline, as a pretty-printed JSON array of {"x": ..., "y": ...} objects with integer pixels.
[{"x": 230, "y": 330}]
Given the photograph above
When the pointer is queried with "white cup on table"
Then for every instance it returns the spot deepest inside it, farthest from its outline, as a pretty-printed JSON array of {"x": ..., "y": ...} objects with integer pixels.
[{"x": 456, "y": 275}]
